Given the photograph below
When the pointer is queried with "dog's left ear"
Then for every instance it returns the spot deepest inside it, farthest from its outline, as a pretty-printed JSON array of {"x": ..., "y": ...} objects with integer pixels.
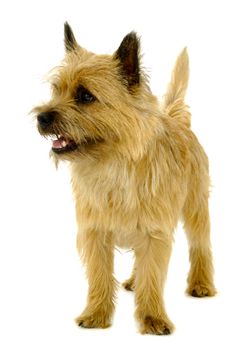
[
  {"x": 129, "y": 56},
  {"x": 69, "y": 38}
]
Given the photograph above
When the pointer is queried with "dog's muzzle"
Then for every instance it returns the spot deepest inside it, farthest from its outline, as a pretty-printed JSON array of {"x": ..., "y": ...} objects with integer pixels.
[{"x": 45, "y": 119}]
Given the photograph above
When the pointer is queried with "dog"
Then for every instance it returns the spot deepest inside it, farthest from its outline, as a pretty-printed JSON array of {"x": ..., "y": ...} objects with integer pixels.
[{"x": 136, "y": 169}]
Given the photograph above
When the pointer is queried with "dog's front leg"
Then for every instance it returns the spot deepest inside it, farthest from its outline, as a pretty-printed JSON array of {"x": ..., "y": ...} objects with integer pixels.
[
  {"x": 152, "y": 256},
  {"x": 97, "y": 252}
]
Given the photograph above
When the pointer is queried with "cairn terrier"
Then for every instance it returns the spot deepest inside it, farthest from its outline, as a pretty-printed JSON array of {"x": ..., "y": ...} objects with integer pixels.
[{"x": 136, "y": 169}]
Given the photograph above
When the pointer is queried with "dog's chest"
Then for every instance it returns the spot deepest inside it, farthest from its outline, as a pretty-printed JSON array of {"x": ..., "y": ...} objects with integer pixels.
[{"x": 108, "y": 199}]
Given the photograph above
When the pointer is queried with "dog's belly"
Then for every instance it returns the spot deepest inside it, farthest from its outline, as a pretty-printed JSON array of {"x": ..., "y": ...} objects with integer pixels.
[{"x": 124, "y": 239}]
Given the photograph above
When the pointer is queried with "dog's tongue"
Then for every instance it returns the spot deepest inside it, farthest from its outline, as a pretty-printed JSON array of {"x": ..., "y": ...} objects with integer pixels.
[{"x": 59, "y": 143}]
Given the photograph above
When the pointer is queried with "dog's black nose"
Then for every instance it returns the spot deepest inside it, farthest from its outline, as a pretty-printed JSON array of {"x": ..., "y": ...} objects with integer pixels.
[{"x": 45, "y": 119}]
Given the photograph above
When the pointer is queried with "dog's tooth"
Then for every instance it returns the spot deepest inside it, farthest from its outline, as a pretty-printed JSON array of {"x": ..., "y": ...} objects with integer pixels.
[
  {"x": 63, "y": 143},
  {"x": 55, "y": 137}
]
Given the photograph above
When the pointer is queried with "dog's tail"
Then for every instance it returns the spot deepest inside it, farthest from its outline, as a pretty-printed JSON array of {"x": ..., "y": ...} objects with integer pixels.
[{"x": 174, "y": 104}]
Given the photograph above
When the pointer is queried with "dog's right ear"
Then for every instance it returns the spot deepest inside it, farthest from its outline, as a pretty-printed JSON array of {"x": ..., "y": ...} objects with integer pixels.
[{"x": 69, "y": 38}]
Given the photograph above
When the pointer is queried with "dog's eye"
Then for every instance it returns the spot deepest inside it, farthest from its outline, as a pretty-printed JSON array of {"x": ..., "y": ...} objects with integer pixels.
[{"x": 83, "y": 95}]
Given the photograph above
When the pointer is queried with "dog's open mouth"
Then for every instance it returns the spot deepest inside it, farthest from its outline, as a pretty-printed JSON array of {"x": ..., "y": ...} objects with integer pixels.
[{"x": 61, "y": 144}]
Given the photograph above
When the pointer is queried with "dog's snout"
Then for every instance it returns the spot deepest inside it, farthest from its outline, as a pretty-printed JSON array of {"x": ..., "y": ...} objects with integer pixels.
[{"x": 45, "y": 119}]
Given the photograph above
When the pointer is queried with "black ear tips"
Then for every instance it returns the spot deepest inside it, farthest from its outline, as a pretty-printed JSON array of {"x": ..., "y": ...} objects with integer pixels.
[
  {"x": 129, "y": 55},
  {"x": 69, "y": 38}
]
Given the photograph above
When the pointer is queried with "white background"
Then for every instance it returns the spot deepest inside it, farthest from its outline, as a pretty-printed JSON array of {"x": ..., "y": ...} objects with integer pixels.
[{"x": 42, "y": 284}]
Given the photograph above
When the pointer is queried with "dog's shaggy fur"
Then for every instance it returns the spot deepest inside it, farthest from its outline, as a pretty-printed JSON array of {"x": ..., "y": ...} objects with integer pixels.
[{"x": 136, "y": 169}]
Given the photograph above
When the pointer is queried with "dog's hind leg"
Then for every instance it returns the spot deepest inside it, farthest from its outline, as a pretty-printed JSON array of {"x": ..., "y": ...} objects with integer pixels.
[
  {"x": 129, "y": 284},
  {"x": 197, "y": 227}
]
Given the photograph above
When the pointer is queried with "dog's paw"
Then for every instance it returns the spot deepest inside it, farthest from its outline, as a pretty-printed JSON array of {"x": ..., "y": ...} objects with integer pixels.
[
  {"x": 200, "y": 290},
  {"x": 158, "y": 326},
  {"x": 129, "y": 284},
  {"x": 95, "y": 320}
]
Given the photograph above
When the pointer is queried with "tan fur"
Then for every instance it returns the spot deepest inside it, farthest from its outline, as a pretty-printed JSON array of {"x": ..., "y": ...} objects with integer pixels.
[{"x": 144, "y": 170}]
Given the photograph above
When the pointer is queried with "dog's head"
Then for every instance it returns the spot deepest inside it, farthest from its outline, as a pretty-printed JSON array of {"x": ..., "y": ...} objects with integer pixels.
[{"x": 99, "y": 103}]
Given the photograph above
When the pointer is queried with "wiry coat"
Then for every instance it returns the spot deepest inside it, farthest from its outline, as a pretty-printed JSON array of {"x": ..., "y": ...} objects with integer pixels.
[{"x": 137, "y": 169}]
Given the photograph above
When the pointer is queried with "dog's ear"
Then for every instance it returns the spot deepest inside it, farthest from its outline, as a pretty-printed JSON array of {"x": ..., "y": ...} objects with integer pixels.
[
  {"x": 69, "y": 38},
  {"x": 128, "y": 54}
]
